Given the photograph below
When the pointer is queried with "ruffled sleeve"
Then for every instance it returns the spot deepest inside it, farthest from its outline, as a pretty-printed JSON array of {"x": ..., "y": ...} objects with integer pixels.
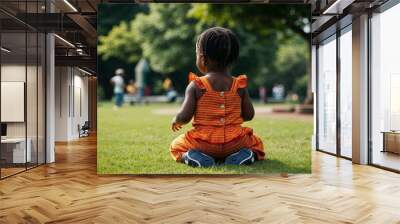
[
  {"x": 196, "y": 79},
  {"x": 242, "y": 81},
  {"x": 192, "y": 76}
]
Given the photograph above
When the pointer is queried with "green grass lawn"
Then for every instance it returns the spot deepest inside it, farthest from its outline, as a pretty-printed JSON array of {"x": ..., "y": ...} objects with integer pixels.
[{"x": 134, "y": 140}]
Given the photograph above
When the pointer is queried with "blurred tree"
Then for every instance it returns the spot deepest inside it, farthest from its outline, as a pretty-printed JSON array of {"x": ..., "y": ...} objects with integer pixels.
[
  {"x": 107, "y": 19},
  {"x": 258, "y": 18},
  {"x": 121, "y": 44},
  {"x": 291, "y": 65},
  {"x": 166, "y": 36}
]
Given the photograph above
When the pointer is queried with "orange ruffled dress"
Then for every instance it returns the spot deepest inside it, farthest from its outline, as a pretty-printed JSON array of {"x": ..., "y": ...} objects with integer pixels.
[{"x": 217, "y": 129}]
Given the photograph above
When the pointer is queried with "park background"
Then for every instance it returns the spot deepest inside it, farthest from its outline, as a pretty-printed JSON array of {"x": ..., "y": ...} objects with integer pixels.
[{"x": 275, "y": 51}]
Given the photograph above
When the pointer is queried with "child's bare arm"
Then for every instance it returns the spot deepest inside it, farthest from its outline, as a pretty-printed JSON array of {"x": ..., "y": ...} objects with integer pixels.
[
  {"x": 247, "y": 105},
  {"x": 187, "y": 109}
]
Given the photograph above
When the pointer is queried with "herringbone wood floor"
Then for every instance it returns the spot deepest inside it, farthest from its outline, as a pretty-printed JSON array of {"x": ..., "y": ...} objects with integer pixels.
[{"x": 69, "y": 191}]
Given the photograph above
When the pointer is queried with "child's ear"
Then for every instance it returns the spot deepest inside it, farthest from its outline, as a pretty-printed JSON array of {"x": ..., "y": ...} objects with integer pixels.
[
  {"x": 203, "y": 63},
  {"x": 203, "y": 60}
]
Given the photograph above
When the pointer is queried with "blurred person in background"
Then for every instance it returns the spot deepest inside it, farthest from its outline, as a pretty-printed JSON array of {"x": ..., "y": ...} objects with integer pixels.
[
  {"x": 278, "y": 92},
  {"x": 131, "y": 91},
  {"x": 119, "y": 85},
  {"x": 171, "y": 92},
  {"x": 263, "y": 94}
]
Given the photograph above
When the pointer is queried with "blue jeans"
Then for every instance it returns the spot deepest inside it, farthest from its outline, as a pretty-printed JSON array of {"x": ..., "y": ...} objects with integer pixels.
[{"x": 119, "y": 99}]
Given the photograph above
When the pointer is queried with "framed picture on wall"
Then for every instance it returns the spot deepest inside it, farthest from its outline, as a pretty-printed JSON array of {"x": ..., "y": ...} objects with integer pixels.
[{"x": 12, "y": 101}]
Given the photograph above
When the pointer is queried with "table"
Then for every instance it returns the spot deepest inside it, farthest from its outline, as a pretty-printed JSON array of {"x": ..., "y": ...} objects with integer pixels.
[
  {"x": 16, "y": 147},
  {"x": 391, "y": 141}
]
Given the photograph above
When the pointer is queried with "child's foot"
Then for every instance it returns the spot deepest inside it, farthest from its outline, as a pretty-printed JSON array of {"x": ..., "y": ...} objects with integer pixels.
[
  {"x": 242, "y": 157},
  {"x": 196, "y": 158}
]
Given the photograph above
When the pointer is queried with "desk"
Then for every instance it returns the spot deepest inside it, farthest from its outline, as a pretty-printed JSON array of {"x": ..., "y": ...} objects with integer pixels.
[
  {"x": 15, "y": 148},
  {"x": 391, "y": 141}
]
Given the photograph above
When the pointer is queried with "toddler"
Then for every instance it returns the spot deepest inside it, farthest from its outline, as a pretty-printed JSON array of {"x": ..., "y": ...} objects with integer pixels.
[{"x": 219, "y": 103}]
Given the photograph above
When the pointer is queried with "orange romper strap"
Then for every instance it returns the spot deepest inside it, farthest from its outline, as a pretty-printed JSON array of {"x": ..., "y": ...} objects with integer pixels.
[
  {"x": 197, "y": 80},
  {"x": 206, "y": 84},
  {"x": 239, "y": 82}
]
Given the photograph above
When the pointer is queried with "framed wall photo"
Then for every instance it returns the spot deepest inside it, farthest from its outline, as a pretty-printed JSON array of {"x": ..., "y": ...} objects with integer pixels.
[{"x": 149, "y": 58}]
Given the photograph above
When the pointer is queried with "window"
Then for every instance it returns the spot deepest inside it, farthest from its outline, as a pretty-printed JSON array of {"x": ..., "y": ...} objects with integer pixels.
[
  {"x": 346, "y": 92},
  {"x": 15, "y": 147},
  {"x": 385, "y": 88},
  {"x": 22, "y": 81},
  {"x": 327, "y": 95}
]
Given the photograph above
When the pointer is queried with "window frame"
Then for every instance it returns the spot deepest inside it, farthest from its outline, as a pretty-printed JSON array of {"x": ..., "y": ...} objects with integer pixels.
[
  {"x": 381, "y": 9},
  {"x": 338, "y": 29},
  {"x": 29, "y": 29}
]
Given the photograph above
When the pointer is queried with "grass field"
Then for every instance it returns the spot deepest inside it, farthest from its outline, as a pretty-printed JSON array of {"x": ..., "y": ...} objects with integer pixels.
[{"x": 135, "y": 140}]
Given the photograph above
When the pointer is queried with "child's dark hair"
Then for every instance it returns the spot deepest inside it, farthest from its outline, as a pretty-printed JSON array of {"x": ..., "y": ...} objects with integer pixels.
[{"x": 220, "y": 45}]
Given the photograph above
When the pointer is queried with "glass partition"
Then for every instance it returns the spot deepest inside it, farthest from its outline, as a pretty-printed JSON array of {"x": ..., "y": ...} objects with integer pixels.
[
  {"x": 346, "y": 92},
  {"x": 32, "y": 97},
  {"x": 41, "y": 96},
  {"x": 14, "y": 153},
  {"x": 35, "y": 88},
  {"x": 327, "y": 95},
  {"x": 385, "y": 89},
  {"x": 22, "y": 101}
]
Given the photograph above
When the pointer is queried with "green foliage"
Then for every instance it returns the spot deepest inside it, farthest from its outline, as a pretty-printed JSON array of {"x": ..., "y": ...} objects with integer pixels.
[
  {"x": 166, "y": 37},
  {"x": 291, "y": 64},
  {"x": 100, "y": 93},
  {"x": 300, "y": 87},
  {"x": 158, "y": 87},
  {"x": 110, "y": 15},
  {"x": 273, "y": 40},
  {"x": 258, "y": 18},
  {"x": 120, "y": 43}
]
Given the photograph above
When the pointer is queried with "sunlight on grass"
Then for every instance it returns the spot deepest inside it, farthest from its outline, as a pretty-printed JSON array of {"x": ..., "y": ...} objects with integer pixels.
[{"x": 133, "y": 140}]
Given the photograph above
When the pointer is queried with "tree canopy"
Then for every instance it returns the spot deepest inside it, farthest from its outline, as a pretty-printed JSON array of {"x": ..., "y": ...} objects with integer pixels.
[{"x": 273, "y": 40}]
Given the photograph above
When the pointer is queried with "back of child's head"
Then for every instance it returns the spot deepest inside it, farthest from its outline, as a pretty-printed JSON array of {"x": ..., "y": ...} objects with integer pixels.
[{"x": 220, "y": 45}]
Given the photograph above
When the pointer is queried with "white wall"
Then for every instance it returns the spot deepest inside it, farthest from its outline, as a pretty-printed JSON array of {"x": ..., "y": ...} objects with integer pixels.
[
  {"x": 80, "y": 96},
  {"x": 62, "y": 81},
  {"x": 71, "y": 102},
  {"x": 12, "y": 73},
  {"x": 33, "y": 126}
]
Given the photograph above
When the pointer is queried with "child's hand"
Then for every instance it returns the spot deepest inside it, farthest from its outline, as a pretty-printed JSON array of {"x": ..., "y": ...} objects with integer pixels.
[{"x": 175, "y": 125}]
